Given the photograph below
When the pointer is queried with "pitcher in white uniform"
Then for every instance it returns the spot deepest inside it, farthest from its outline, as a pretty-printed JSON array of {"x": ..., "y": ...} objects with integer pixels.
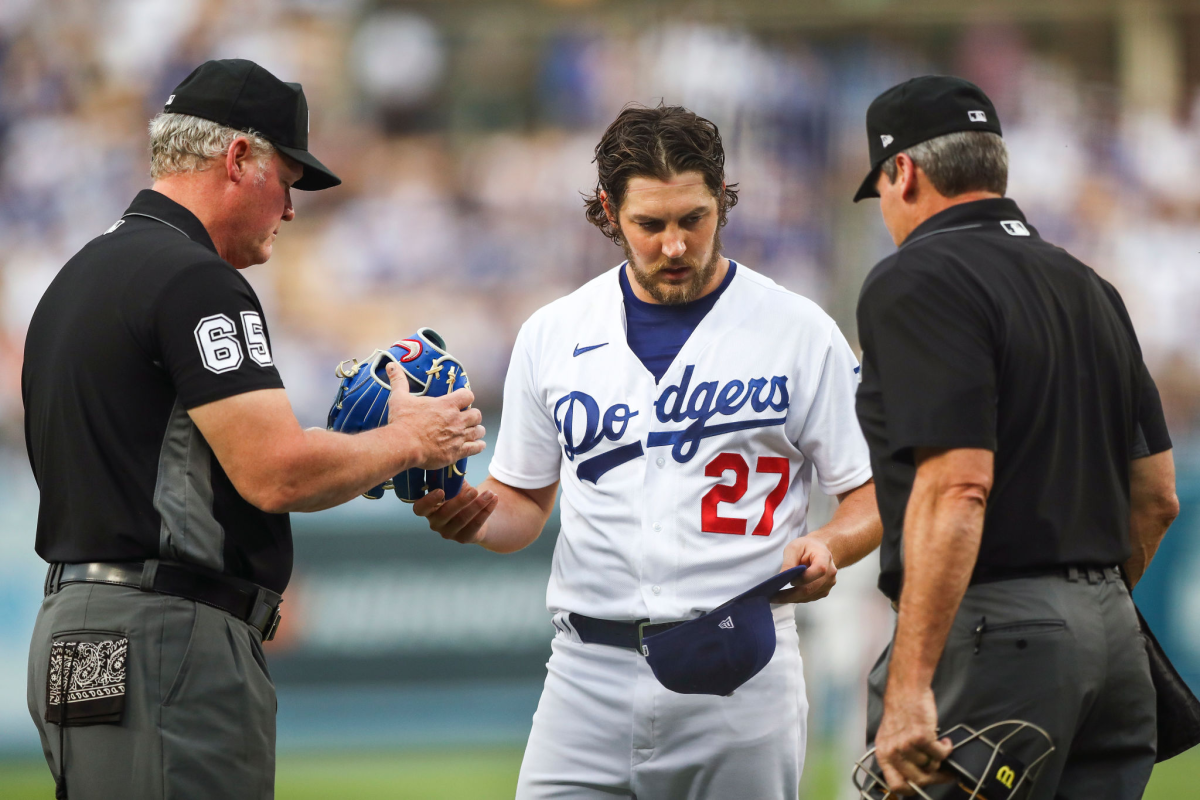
[{"x": 685, "y": 405}]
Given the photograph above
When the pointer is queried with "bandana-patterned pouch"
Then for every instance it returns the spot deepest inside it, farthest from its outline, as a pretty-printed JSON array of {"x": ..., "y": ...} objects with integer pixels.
[{"x": 85, "y": 684}]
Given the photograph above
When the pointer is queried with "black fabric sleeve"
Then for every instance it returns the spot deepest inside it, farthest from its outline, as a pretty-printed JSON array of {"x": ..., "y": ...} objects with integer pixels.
[
  {"x": 1151, "y": 435},
  {"x": 932, "y": 348},
  {"x": 212, "y": 336},
  {"x": 1152, "y": 423}
]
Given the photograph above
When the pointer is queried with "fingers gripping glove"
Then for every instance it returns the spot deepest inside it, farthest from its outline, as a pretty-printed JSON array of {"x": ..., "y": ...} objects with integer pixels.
[
  {"x": 362, "y": 403},
  {"x": 433, "y": 372}
]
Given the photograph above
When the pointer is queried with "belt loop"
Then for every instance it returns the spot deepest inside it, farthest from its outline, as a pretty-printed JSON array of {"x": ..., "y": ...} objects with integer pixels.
[
  {"x": 1073, "y": 574},
  {"x": 149, "y": 573},
  {"x": 53, "y": 577},
  {"x": 1094, "y": 575}
]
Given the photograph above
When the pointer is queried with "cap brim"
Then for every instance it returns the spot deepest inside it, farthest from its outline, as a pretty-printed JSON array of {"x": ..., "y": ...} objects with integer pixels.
[
  {"x": 773, "y": 584},
  {"x": 316, "y": 175},
  {"x": 867, "y": 188}
]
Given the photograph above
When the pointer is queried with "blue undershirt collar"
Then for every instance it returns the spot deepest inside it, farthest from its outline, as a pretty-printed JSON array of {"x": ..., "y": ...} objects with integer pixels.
[{"x": 656, "y": 332}]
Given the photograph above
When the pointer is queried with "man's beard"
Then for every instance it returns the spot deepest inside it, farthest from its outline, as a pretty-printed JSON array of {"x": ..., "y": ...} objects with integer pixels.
[{"x": 675, "y": 294}]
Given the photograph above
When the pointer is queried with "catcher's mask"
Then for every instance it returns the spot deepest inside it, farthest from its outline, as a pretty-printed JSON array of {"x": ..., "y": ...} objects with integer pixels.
[{"x": 981, "y": 767}]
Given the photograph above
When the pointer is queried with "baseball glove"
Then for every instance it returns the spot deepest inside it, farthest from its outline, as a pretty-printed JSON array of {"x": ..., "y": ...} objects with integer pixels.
[{"x": 361, "y": 404}]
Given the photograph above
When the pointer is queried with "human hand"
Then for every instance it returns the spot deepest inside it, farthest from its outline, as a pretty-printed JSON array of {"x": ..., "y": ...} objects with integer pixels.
[
  {"x": 461, "y": 518},
  {"x": 817, "y": 580},
  {"x": 907, "y": 747},
  {"x": 442, "y": 429}
]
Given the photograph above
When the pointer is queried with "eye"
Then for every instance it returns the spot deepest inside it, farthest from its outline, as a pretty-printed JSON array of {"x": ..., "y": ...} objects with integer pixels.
[{"x": 651, "y": 227}]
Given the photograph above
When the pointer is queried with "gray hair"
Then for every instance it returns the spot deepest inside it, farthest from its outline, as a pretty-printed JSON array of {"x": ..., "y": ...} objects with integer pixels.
[
  {"x": 966, "y": 161},
  {"x": 183, "y": 143}
]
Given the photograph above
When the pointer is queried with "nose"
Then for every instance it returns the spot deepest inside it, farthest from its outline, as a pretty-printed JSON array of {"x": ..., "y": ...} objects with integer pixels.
[
  {"x": 289, "y": 213},
  {"x": 673, "y": 245}
]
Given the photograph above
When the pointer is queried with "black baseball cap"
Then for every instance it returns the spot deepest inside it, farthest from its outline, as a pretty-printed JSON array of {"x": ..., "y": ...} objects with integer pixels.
[
  {"x": 242, "y": 95},
  {"x": 918, "y": 110}
]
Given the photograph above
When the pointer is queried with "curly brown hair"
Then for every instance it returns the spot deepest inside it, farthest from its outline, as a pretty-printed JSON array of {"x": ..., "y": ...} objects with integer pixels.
[{"x": 656, "y": 143}]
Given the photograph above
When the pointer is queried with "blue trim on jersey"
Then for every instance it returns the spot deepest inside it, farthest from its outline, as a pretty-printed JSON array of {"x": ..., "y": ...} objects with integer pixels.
[
  {"x": 655, "y": 332},
  {"x": 594, "y": 467},
  {"x": 693, "y": 433}
]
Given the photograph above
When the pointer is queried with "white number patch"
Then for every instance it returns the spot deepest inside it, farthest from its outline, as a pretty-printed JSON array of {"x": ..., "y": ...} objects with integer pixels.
[
  {"x": 216, "y": 336},
  {"x": 256, "y": 339}
]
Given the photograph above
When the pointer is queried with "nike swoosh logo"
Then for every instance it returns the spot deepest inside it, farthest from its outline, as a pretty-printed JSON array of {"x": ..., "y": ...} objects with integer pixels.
[{"x": 581, "y": 350}]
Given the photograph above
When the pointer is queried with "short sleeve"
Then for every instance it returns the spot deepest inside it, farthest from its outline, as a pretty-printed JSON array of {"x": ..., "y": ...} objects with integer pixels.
[
  {"x": 931, "y": 344},
  {"x": 527, "y": 448},
  {"x": 212, "y": 336},
  {"x": 831, "y": 437},
  {"x": 1150, "y": 431},
  {"x": 1152, "y": 423}
]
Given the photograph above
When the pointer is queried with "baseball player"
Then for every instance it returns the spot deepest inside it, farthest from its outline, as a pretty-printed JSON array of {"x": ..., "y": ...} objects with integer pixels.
[{"x": 683, "y": 402}]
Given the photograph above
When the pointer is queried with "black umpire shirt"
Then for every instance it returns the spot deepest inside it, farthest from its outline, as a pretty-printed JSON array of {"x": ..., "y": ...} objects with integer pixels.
[
  {"x": 977, "y": 333},
  {"x": 144, "y": 323}
]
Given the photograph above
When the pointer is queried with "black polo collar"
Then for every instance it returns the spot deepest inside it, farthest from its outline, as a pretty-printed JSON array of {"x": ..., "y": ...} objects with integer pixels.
[
  {"x": 969, "y": 216},
  {"x": 159, "y": 207}
]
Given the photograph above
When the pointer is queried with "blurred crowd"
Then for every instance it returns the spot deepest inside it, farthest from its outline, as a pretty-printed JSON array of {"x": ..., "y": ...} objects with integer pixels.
[{"x": 465, "y": 138}]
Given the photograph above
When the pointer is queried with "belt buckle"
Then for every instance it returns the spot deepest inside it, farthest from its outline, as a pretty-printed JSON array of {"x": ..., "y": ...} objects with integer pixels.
[
  {"x": 272, "y": 625},
  {"x": 641, "y": 632}
]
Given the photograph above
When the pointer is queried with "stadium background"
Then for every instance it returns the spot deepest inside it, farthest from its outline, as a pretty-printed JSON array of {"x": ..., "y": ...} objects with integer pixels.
[{"x": 407, "y": 666}]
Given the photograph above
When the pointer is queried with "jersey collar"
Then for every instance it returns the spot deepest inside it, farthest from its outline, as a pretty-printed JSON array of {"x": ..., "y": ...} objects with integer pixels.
[
  {"x": 161, "y": 208},
  {"x": 966, "y": 216}
]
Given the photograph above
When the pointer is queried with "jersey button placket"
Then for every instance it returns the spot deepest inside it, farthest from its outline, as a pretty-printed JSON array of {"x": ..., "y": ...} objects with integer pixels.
[{"x": 658, "y": 523}]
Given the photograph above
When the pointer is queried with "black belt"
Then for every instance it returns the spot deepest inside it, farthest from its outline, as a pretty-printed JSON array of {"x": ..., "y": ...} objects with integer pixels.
[
  {"x": 1090, "y": 573},
  {"x": 252, "y": 604},
  {"x": 617, "y": 633}
]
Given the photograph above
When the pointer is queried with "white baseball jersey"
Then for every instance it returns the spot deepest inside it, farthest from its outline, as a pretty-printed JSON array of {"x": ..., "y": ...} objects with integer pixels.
[{"x": 679, "y": 495}]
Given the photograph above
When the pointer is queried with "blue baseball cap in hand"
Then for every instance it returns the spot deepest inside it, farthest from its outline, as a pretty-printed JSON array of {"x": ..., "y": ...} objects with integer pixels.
[{"x": 718, "y": 652}]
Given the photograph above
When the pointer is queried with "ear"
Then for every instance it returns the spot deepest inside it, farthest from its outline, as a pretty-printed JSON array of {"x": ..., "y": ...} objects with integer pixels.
[
  {"x": 608, "y": 212},
  {"x": 906, "y": 175},
  {"x": 237, "y": 159}
]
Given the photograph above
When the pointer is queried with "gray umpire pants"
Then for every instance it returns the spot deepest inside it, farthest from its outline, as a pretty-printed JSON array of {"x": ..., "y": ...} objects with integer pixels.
[
  {"x": 1067, "y": 655},
  {"x": 199, "y": 715}
]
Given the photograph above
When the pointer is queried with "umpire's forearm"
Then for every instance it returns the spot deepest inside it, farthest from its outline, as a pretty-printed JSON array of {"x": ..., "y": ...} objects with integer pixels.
[
  {"x": 943, "y": 528},
  {"x": 1153, "y": 506},
  {"x": 328, "y": 469}
]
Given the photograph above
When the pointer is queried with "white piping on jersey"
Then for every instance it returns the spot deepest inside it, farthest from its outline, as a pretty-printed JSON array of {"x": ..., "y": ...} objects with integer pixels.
[{"x": 149, "y": 216}]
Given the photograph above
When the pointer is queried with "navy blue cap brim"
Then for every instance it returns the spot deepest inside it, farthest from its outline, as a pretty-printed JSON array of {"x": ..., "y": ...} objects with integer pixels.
[{"x": 772, "y": 585}]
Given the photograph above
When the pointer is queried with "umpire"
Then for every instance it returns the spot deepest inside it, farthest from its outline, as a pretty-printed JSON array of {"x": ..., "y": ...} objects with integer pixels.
[
  {"x": 168, "y": 456},
  {"x": 1023, "y": 466}
]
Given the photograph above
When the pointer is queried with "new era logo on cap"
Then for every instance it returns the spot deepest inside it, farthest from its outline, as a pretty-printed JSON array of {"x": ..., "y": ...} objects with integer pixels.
[
  {"x": 977, "y": 116},
  {"x": 886, "y": 139},
  {"x": 726, "y": 623},
  {"x": 170, "y": 100}
]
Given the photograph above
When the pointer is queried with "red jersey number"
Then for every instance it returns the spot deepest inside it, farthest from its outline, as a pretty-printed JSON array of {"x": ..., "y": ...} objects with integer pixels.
[{"x": 711, "y": 520}]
